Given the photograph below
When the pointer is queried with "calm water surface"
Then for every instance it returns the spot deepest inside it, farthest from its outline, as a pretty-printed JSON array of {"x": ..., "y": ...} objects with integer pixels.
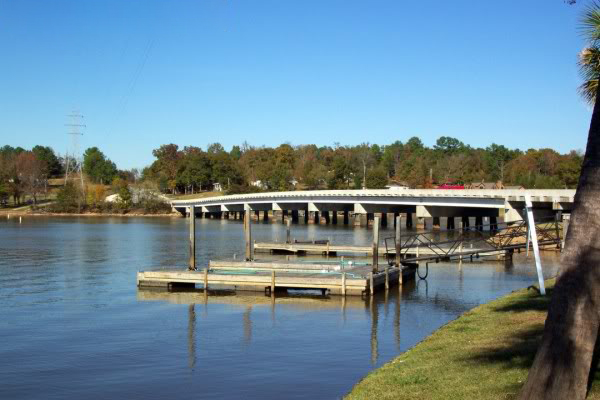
[{"x": 74, "y": 325}]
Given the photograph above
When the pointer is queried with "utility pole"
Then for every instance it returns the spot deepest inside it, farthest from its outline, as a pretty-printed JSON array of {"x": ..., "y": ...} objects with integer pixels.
[{"x": 75, "y": 126}]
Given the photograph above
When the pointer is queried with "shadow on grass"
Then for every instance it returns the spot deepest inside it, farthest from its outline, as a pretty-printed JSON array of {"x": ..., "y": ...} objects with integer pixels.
[
  {"x": 519, "y": 351},
  {"x": 520, "y": 348},
  {"x": 532, "y": 302}
]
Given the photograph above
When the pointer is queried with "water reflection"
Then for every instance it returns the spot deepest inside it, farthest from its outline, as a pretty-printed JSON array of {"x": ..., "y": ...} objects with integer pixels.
[
  {"x": 371, "y": 305},
  {"x": 192, "y": 336}
]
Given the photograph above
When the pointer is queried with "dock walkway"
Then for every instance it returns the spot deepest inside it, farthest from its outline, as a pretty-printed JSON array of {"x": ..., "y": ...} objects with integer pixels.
[{"x": 269, "y": 277}]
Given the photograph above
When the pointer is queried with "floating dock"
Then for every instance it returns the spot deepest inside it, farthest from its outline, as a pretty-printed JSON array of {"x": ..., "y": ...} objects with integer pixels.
[{"x": 268, "y": 277}]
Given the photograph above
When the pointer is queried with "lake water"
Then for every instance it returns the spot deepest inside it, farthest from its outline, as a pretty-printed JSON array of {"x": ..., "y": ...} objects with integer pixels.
[{"x": 74, "y": 325}]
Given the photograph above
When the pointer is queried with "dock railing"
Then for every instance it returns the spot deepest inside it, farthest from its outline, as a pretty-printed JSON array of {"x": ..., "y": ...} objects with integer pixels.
[{"x": 472, "y": 241}]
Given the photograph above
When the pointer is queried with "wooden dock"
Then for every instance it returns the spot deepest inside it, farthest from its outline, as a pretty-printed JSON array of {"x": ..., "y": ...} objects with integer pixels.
[{"x": 269, "y": 277}]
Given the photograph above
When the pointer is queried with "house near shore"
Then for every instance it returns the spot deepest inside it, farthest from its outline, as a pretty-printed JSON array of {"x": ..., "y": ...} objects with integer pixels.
[{"x": 491, "y": 185}]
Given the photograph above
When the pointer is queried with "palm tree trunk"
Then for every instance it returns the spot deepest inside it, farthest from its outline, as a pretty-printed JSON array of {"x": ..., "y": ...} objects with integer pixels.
[{"x": 561, "y": 367}]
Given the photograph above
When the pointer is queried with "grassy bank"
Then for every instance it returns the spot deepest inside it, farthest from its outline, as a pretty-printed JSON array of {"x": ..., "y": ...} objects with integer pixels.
[{"x": 484, "y": 354}]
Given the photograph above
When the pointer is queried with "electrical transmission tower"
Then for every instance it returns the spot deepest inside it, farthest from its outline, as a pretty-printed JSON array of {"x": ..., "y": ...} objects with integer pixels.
[{"x": 75, "y": 126}]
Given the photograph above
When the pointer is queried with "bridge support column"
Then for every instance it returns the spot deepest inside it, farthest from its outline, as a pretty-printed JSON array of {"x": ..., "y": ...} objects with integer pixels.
[
  {"x": 450, "y": 223},
  {"x": 479, "y": 223},
  {"x": 357, "y": 219},
  {"x": 257, "y": 215},
  {"x": 334, "y": 217},
  {"x": 294, "y": 216},
  {"x": 326, "y": 217},
  {"x": 370, "y": 217},
  {"x": 316, "y": 218},
  {"x": 346, "y": 217},
  {"x": 284, "y": 214},
  {"x": 306, "y": 216},
  {"x": 436, "y": 223},
  {"x": 465, "y": 223},
  {"x": 409, "y": 220},
  {"x": 384, "y": 221},
  {"x": 226, "y": 215},
  {"x": 266, "y": 215},
  {"x": 493, "y": 224}
]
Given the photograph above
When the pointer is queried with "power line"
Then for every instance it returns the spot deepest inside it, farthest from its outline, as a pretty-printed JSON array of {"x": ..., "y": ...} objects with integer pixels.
[{"x": 75, "y": 126}]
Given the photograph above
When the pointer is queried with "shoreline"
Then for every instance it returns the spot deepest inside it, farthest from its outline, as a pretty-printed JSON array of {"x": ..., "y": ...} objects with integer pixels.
[
  {"x": 485, "y": 353},
  {"x": 91, "y": 215}
]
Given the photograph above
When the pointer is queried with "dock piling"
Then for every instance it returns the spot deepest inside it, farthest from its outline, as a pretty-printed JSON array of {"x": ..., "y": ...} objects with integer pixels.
[
  {"x": 387, "y": 278},
  {"x": 248, "y": 237},
  {"x": 343, "y": 283},
  {"x": 206, "y": 280},
  {"x": 288, "y": 236},
  {"x": 376, "y": 244},
  {"x": 272, "y": 281},
  {"x": 398, "y": 240},
  {"x": 192, "y": 266}
]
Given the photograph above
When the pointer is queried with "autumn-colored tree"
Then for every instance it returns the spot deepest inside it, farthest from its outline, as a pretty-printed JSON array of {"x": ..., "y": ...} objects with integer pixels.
[{"x": 32, "y": 174}]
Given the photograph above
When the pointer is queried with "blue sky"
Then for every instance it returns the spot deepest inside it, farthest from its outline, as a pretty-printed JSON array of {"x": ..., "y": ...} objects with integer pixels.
[{"x": 146, "y": 73}]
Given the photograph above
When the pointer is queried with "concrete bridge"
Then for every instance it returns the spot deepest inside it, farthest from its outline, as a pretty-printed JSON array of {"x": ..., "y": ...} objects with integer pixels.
[{"x": 363, "y": 204}]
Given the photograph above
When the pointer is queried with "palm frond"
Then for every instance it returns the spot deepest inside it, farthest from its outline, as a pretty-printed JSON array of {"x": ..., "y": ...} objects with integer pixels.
[{"x": 590, "y": 23}]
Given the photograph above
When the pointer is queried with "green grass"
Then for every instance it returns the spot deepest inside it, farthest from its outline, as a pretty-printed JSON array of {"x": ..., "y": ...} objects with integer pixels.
[{"x": 484, "y": 354}]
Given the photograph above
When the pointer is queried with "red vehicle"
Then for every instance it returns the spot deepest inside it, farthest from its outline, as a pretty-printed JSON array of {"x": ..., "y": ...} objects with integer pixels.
[{"x": 450, "y": 186}]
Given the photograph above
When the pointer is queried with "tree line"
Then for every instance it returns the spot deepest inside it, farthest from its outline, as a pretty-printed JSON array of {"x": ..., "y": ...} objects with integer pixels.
[
  {"x": 248, "y": 168},
  {"x": 26, "y": 173}
]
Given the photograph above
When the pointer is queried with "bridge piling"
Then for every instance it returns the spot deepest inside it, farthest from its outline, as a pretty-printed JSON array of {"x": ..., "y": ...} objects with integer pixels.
[
  {"x": 465, "y": 223},
  {"x": 284, "y": 214},
  {"x": 409, "y": 220},
  {"x": 334, "y": 216},
  {"x": 435, "y": 223},
  {"x": 346, "y": 217},
  {"x": 479, "y": 223},
  {"x": 384, "y": 221},
  {"x": 450, "y": 223}
]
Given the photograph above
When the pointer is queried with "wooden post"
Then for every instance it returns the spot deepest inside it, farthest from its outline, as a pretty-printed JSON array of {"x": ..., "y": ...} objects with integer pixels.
[
  {"x": 376, "y": 244},
  {"x": 557, "y": 219},
  {"x": 206, "y": 279},
  {"x": 387, "y": 278},
  {"x": 192, "y": 266},
  {"x": 272, "y": 281},
  {"x": 371, "y": 286},
  {"x": 248, "y": 236},
  {"x": 398, "y": 241},
  {"x": 343, "y": 283},
  {"x": 288, "y": 228},
  {"x": 400, "y": 276},
  {"x": 565, "y": 229}
]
